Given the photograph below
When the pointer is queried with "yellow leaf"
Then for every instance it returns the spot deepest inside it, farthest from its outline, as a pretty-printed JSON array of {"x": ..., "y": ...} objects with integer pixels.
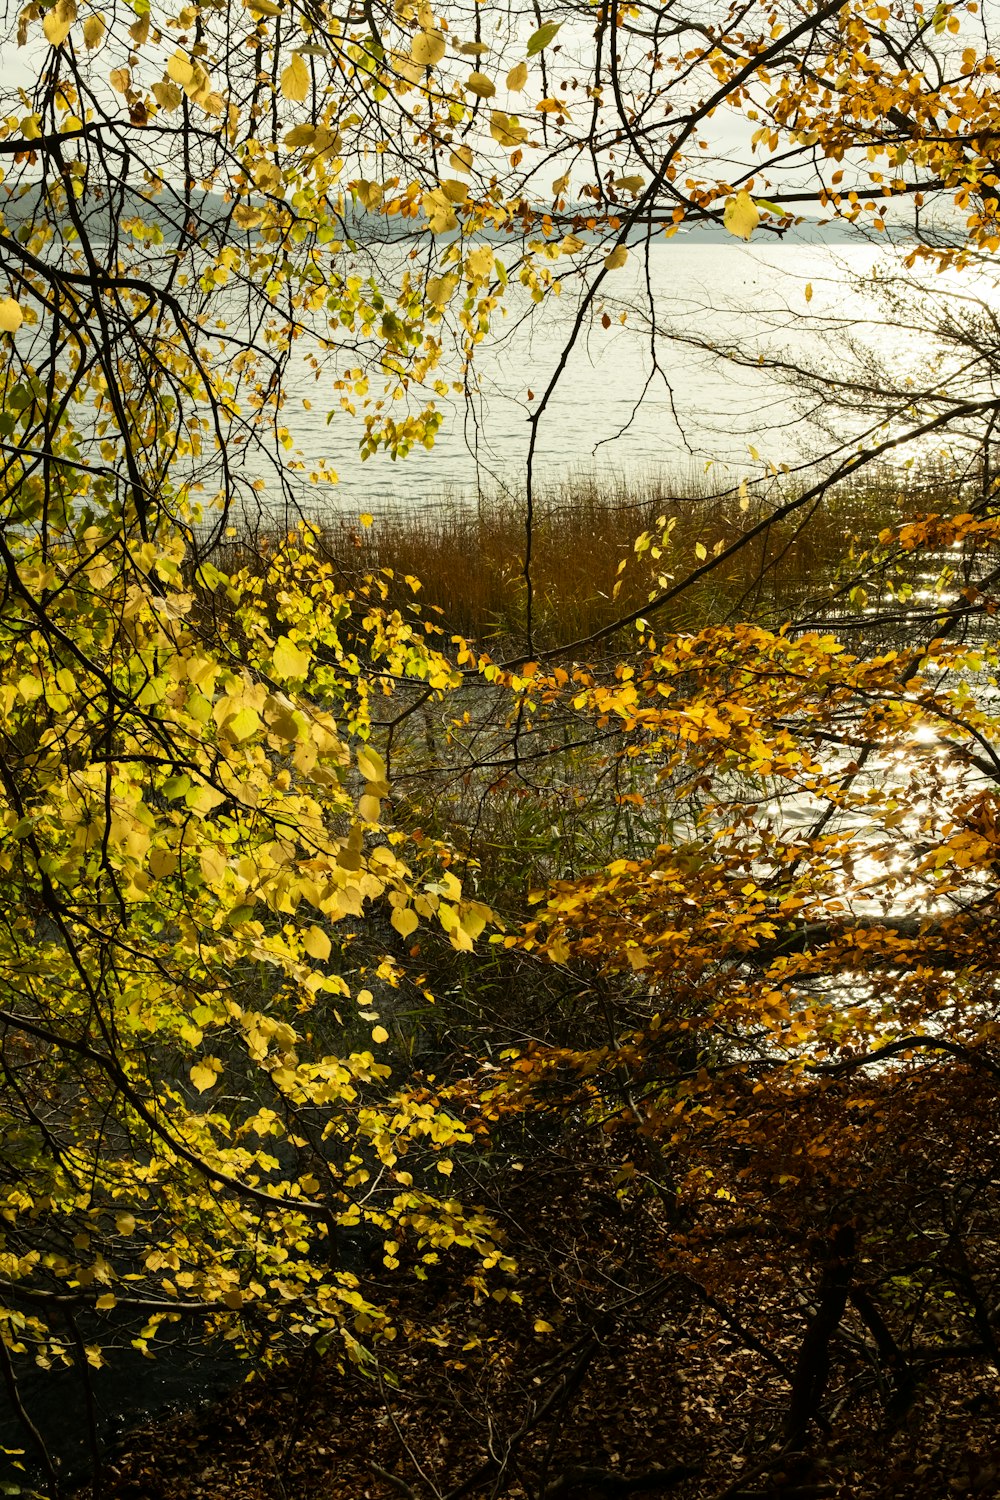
[
  {"x": 480, "y": 85},
  {"x": 93, "y": 30},
  {"x": 440, "y": 214},
  {"x": 440, "y": 290},
  {"x": 58, "y": 22},
  {"x": 168, "y": 96},
  {"x": 317, "y": 944},
  {"x": 283, "y": 722},
  {"x": 479, "y": 263},
  {"x": 243, "y": 724},
  {"x": 404, "y": 919},
  {"x": 427, "y": 48},
  {"x": 300, "y": 135},
  {"x": 461, "y": 158},
  {"x": 379, "y": 1034},
  {"x": 445, "y": 1167},
  {"x": 473, "y": 916},
  {"x": 741, "y": 216},
  {"x": 809, "y": 291},
  {"x": 542, "y": 1327},
  {"x": 180, "y": 69},
  {"x": 366, "y": 518},
  {"x": 204, "y": 1075},
  {"x": 370, "y": 764},
  {"x": 617, "y": 257},
  {"x": 457, "y": 935},
  {"x": 203, "y": 799},
  {"x": 295, "y": 80},
  {"x": 700, "y": 551},
  {"x": 506, "y": 129},
  {"x": 213, "y": 865},
  {"x": 11, "y": 316},
  {"x": 517, "y": 77},
  {"x": 454, "y": 191},
  {"x": 289, "y": 660}
]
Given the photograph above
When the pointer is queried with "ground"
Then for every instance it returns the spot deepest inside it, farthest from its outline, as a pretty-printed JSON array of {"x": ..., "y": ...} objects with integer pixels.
[{"x": 638, "y": 1386}]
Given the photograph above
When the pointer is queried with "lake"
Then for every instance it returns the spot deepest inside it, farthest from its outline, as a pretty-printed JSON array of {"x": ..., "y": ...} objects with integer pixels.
[{"x": 651, "y": 395}]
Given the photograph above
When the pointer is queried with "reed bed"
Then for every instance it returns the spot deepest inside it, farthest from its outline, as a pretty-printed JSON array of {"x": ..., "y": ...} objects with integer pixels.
[{"x": 586, "y": 568}]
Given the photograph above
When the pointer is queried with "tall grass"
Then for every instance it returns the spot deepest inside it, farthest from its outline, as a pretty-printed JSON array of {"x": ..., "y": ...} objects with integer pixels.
[{"x": 586, "y": 571}]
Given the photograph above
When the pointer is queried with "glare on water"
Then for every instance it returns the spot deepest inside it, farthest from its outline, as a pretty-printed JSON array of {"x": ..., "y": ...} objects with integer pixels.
[{"x": 686, "y": 381}]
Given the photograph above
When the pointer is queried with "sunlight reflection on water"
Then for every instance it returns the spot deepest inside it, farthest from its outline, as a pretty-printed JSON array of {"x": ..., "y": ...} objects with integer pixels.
[{"x": 701, "y": 405}]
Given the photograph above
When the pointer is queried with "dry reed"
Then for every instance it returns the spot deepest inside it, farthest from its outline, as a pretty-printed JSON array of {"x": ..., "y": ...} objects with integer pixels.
[{"x": 586, "y": 571}]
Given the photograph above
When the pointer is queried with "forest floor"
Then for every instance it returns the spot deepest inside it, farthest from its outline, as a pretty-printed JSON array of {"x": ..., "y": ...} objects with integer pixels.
[
  {"x": 636, "y": 1427},
  {"x": 636, "y": 1383}
]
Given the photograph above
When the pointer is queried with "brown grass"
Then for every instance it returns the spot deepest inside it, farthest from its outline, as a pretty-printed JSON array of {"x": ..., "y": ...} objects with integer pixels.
[{"x": 586, "y": 571}]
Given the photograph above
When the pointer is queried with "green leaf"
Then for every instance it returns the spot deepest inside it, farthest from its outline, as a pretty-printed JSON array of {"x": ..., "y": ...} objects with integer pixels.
[{"x": 543, "y": 37}]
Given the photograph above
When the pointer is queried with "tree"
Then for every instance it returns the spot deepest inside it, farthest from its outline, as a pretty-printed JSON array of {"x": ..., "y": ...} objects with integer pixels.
[{"x": 196, "y": 1124}]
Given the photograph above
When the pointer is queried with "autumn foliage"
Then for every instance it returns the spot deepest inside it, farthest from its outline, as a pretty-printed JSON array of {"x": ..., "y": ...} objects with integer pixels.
[{"x": 370, "y": 999}]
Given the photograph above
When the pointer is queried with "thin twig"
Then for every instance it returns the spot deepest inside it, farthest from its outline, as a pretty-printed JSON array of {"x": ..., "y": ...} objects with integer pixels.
[{"x": 20, "y": 1411}]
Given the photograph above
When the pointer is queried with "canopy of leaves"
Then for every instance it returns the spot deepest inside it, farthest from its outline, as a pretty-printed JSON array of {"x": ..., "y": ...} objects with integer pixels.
[{"x": 762, "y": 939}]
